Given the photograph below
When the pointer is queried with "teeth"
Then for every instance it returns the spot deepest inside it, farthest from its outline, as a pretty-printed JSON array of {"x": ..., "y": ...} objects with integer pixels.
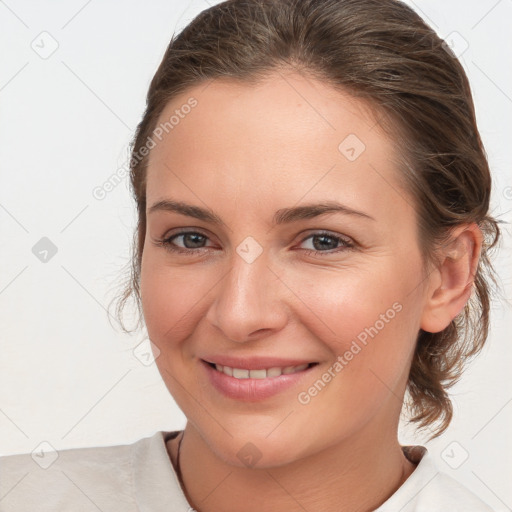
[
  {"x": 258, "y": 374},
  {"x": 240, "y": 374},
  {"x": 275, "y": 371}
]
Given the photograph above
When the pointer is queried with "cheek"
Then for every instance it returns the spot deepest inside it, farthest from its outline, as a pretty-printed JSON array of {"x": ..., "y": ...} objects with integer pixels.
[
  {"x": 172, "y": 298},
  {"x": 370, "y": 325},
  {"x": 352, "y": 303},
  {"x": 377, "y": 351},
  {"x": 368, "y": 371}
]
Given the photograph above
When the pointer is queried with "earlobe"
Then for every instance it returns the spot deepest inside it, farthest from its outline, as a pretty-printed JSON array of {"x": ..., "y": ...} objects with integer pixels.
[{"x": 452, "y": 282}]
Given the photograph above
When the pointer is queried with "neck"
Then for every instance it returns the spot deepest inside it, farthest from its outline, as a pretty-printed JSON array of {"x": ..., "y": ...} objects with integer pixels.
[{"x": 345, "y": 477}]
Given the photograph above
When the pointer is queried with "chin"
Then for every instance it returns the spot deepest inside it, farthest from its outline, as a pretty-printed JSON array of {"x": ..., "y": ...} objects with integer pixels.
[{"x": 257, "y": 450}]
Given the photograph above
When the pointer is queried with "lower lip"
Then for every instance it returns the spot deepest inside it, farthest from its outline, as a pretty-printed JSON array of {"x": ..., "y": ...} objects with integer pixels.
[{"x": 252, "y": 390}]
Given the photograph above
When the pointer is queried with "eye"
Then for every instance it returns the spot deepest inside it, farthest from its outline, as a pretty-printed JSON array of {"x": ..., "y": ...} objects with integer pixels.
[
  {"x": 191, "y": 240},
  {"x": 325, "y": 243}
]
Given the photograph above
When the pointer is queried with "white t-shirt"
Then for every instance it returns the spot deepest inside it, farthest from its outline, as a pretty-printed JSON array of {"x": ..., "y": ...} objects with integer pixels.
[{"x": 140, "y": 477}]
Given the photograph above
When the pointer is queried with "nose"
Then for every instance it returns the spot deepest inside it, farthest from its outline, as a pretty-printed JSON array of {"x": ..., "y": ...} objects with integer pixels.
[{"x": 248, "y": 302}]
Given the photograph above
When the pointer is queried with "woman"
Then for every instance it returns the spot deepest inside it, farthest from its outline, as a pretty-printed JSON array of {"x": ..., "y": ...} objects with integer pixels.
[{"x": 311, "y": 251}]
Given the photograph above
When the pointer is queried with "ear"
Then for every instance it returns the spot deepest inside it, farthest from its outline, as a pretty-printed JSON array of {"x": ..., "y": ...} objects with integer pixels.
[{"x": 451, "y": 283}]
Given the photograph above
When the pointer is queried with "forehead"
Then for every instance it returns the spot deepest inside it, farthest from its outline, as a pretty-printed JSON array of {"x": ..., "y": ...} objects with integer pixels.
[{"x": 283, "y": 139}]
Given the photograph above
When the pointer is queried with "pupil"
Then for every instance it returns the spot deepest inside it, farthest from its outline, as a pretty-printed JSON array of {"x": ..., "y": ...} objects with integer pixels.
[
  {"x": 198, "y": 239},
  {"x": 323, "y": 245}
]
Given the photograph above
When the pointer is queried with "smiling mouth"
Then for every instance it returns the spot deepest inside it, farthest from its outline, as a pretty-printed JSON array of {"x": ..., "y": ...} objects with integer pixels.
[{"x": 276, "y": 371}]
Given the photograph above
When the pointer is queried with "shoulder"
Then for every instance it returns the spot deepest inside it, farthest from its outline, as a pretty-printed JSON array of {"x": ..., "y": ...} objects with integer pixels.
[
  {"x": 446, "y": 491},
  {"x": 428, "y": 489},
  {"x": 459, "y": 496},
  {"x": 78, "y": 478}
]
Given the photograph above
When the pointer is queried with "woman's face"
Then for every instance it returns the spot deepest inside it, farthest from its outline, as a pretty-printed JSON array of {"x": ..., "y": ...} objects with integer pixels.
[{"x": 245, "y": 288}]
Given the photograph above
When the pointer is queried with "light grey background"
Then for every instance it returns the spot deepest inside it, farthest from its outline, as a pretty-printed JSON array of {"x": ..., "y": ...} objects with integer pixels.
[{"x": 66, "y": 118}]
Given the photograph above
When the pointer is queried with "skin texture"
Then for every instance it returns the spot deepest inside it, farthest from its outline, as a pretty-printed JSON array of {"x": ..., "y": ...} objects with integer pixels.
[{"x": 245, "y": 152}]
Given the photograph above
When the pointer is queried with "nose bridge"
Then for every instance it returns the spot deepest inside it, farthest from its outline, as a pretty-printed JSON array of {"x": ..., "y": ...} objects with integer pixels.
[{"x": 247, "y": 299}]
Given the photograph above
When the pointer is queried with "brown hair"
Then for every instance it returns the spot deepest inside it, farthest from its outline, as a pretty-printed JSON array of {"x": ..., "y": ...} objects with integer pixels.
[{"x": 383, "y": 52}]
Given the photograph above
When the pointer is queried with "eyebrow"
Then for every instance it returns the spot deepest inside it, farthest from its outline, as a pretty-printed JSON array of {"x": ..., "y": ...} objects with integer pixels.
[{"x": 282, "y": 216}]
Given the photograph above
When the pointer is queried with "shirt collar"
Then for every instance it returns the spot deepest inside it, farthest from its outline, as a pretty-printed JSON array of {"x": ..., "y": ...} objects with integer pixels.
[
  {"x": 155, "y": 482},
  {"x": 157, "y": 487}
]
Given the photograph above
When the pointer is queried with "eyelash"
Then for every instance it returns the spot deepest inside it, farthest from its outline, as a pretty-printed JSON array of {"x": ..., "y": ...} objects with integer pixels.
[{"x": 346, "y": 244}]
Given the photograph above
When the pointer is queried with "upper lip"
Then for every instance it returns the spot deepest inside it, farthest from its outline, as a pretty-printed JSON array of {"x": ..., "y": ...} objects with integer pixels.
[{"x": 254, "y": 362}]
